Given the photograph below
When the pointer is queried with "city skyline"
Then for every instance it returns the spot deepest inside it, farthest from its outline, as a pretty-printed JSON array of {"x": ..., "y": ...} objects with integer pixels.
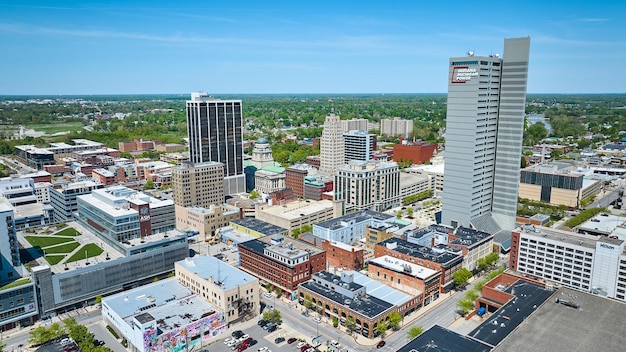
[{"x": 283, "y": 47}]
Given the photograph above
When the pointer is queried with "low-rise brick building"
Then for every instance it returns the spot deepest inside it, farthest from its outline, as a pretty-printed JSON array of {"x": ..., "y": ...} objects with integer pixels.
[
  {"x": 407, "y": 277},
  {"x": 440, "y": 257},
  {"x": 343, "y": 256},
  {"x": 282, "y": 263}
]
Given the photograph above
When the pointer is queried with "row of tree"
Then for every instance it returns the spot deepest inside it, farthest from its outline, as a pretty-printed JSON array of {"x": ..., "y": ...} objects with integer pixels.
[{"x": 79, "y": 333}]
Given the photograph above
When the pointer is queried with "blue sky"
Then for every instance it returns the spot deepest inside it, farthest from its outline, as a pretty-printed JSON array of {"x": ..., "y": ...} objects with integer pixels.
[{"x": 225, "y": 47}]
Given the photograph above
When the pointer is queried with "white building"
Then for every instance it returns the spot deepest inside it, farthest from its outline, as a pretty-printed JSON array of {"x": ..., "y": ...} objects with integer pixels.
[
  {"x": 396, "y": 127},
  {"x": 351, "y": 227},
  {"x": 331, "y": 146},
  {"x": 368, "y": 184},
  {"x": 359, "y": 145},
  {"x": 163, "y": 316},
  {"x": 296, "y": 214},
  {"x": 595, "y": 264},
  {"x": 354, "y": 124}
]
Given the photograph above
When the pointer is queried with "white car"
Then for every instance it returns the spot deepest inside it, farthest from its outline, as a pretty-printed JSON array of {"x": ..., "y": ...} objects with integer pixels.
[
  {"x": 244, "y": 337},
  {"x": 300, "y": 344},
  {"x": 228, "y": 340},
  {"x": 263, "y": 349},
  {"x": 317, "y": 320},
  {"x": 268, "y": 295}
]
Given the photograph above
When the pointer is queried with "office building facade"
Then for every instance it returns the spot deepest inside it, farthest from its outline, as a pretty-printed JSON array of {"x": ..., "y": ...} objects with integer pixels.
[
  {"x": 485, "y": 121},
  {"x": 396, "y": 127},
  {"x": 359, "y": 145},
  {"x": 200, "y": 184},
  {"x": 214, "y": 129},
  {"x": 331, "y": 146},
  {"x": 369, "y": 185}
]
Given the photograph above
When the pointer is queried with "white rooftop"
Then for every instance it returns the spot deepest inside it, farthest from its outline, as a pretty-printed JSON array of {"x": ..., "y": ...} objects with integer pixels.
[
  {"x": 295, "y": 210},
  {"x": 403, "y": 266}
]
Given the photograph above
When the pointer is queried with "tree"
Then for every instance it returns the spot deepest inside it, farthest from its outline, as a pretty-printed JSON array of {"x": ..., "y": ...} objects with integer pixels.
[
  {"x": 308, "y": 301},
  {"x": 465, "y": 305},
  {"x": 149, "y": 185},
  {"x": 399, "y": 215},
  {"x": 98, "y": 299},
  {"x": 268, "y": 287},
  {"x": 482, "y": 264},
  {"x": 394, "y": 320},
  {"x": 38, "y": 336},
  {"x": 415, "y": 331},
  {"x": 2, "y": 346},
  {"x": 409, "y": 212},
  {"x": 350, "y": 323},
  {"x": 335, "y": 321},
  {"x": 273, "y": 316},
  {"x": 523, "y": 163},
  {"x": 461, "y": 276},
  {"x": 381, "y": 328},
  {"x": 278, "y": 292},
  {"x": 254, "y": 195},
  {"x": 69, "y": 324}
]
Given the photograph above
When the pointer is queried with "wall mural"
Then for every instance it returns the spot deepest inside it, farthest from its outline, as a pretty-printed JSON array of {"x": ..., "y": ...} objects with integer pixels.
[{"x": 184, "y": 338}]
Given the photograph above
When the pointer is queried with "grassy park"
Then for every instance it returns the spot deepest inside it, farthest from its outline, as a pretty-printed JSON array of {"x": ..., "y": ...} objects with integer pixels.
[
  {"x": 91, "y": 250},
  {"x": 55, "y": 248},
  {"x": 47, "y": 241}
]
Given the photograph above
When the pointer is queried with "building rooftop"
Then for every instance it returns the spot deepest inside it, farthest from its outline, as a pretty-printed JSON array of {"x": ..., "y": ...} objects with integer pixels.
[
  {"x": 439, "y": 339},
  {"x": 598, "y": 325},
  {"x": 211, "y": 268},
  {"x": 259, "y": 226},
  {"x": 445, "y": 256},
  {"x": 357, "y": 217},
  {"x": 402, "y": 266},
  {"x": 367, "y": 305},
  {"x": 104, "y": 172},
  {"x": 297, "y": 209},
  {"x": 344, "y": 246},
  {"x": 168, "y": 302},
  {"x": 528, "y": 298},
  {"x": 603, "y": 223},
  {"x": 258, "y": 245},
  {"x": 549, "y": 233},
  {"x": 469, "y": 237},
  {"x": 381, "y": 291}
]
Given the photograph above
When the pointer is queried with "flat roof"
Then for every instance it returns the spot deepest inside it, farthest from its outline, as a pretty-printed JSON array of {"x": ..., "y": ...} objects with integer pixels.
[
  {"x": 166, "y": 301},
  {"x": 358, "y": 216},
  {"x": 381, "y": 291},
  {"x": 259, "y": 226},
  {"x": 603, "y": 222},
  {"x": 258, "y": 245},
  {"x": 570, "y": 237},
  {"x": 344, "y": 246},
  {"x": 598, "y": 325},
  {"x": 86, "y": 237},
  {"x": 439, "y": 339},
  {"x": 528, "y": 297},
  {"x": 210, "y": 267},
  {"x": 402, "y": 266},
  {"x": 368, "y": 306},
  {"x": 298, "y": 209},
  {"x": 435, "y": 254},
  {"x": 469, "y": 237}
]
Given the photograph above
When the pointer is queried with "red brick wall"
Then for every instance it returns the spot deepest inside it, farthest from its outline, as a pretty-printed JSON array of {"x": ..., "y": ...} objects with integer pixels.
[
  {"x": 341, "y": 258},
  {"x": 418, "y": 153}
]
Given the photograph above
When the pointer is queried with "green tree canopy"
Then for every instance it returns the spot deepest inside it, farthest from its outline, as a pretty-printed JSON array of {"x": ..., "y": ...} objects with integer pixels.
[
  {"x": 415, "y": 331},
  {"x": 394, "y": 319}
]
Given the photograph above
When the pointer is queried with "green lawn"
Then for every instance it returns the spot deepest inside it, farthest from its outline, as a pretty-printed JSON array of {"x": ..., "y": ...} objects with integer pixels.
[
  {"x": 46, "y": 241},
  {"x": 15, "y": 283},
  {"x": 57, "y": 127},
  {"x": 54, "y": 259},
  {"x": 63, "y": 248},
  {"x": 92, "y": 251},
  {"x": 70, "y": 231}
]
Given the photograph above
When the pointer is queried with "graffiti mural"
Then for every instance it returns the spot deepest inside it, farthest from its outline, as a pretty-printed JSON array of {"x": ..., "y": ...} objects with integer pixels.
[{"x": 184, "y": 338}]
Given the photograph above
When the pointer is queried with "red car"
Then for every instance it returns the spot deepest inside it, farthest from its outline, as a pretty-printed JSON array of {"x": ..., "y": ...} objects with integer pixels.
[
  {"x": 247, "y": 341},
  {"x": 242, "y": 347},
  {"x": 292, "y": 340}
]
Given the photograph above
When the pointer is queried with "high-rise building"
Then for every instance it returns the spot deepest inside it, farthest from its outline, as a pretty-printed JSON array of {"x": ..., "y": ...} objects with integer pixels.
[
  {"x": 396, "y": 127},
  {"x": 369, "y": 184},
  {"x": 359, "y": 145},
  {"x": 9, "y": 247},
  {"x": 331, "y": 146},
  {"x": 354, "y": 124},
  {"x": 486, "y": 101},
  {"x": 214, "y": 129},
  {"x": 199, "y": 185}
]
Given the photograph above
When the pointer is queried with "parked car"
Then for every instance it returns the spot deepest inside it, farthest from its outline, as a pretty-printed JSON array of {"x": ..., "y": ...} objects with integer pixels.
[
  {"x": 237, "y": 334},
  {"x": 267, "y": 326},
  {"x": 279, "y": 340},
  {"x": 252, "y": 343},
  {"x": 272, "y": 328},
  {"x": 305, "y": 313},
  {"x": 242, "y": 347},
  {"x": 262, "y": 322},
  {"x": 300, "y": 344},
  {"x": 228, "y": 339},
  {"x": 244, "y": 337},
  {"x": 381, "y": 344},
  {"x": 292, "y": 340},
  {"x": 305, "y": 348},
  {"x": 268, "y": 295}
]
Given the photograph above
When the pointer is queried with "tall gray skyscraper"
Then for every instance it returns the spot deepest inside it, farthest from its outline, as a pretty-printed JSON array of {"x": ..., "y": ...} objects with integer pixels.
[
  {"x": 214, "y": 128},
  {"x": 331, "y": 146},
  {"x": 485, "y": 124}
]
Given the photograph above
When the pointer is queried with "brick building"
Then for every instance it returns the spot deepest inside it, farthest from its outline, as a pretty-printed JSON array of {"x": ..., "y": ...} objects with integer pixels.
[
  {"x": 313, "y": 160},
  {"x": 407, "y": 277},
  {"x": 441, "y": 258},
  {"x": 294, "y": 178},
  {"x": 343, "y": 256},
  {"x": 417, "y": 152},
  {"x": 281, "y": 262},
  {"x": 103, "y": 176}
]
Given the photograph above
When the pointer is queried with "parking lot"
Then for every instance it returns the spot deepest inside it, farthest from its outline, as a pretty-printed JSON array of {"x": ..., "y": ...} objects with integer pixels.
[{"x": 264, "y": 339}]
